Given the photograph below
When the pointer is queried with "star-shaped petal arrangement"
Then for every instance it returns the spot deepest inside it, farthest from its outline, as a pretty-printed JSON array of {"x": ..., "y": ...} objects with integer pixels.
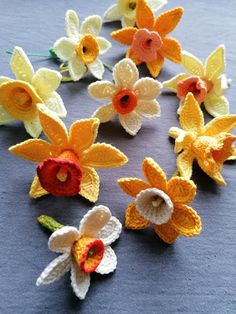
[
  {"x": 210, "y": 145},
  {"x": 161, "y": 203},
  {"x": 148, "y": 41},
  {"x": 19, "y": 97},
  {"x": 67, "y": 162},
  {"x": 207, "y": 83}
]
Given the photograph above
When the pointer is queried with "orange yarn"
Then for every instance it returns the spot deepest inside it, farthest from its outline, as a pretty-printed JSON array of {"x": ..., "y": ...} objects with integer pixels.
[{"x": 125, "y": 101}]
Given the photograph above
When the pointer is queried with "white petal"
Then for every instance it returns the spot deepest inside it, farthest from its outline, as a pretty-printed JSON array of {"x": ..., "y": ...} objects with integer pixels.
[
  {"x": 65, "y": 48},
  {"x": 55, "y": 270},
  {"x": 108, "y": 263},
  {"x": 156, "y": 5},
  {"x": 216, "y": 106},
  {"x": 148, "y": 109},
  {"x": 215, "y": 63},
  {"x": 147, "y": 88},
  {"x": 4, "y": 79},
  {"x": 21, "y": 65},
  {"x": 77, "y": 69},
  {"x": 55, "y": 103},
  {"x": 62, "y": 240},
  {"x": 131, "y": 122},
  {"x": 80, "y": 281},
  {"x": 46, "y": 81},
  {"x": 102, "y": 90},
  {"x": 111, "y": 231},
  {"x": 113, "y": 13},
  {"x": 127, "y": 22},
  {"x": 220, "y": 85},
  {"x": 97, "y": 69},
  {"x": 172, "y": 83},
  {"x": 33, "y": 127},
  {"x": 105, "y": 113},
  {"x": 72, "y": 25},
  {"x": 94, "y": 221},
  {"x": 104, "y": 45},
  {"x": 192, "y": 64},
  {"x": 91, "y": 25},
  {"x": 125, "y": 73},
  {"x": 5, "y": 118}
]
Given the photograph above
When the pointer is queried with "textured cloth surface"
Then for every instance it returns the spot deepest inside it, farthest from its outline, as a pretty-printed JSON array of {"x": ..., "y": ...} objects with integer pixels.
[{"x": 194, "y": 275}]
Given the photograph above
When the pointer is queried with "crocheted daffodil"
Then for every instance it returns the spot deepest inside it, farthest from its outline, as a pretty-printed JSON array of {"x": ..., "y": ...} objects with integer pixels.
[
  {"x": 206, "y": 82},
  {"x": 130, "y": 97},
  {"x": 148, "y": 42},
  {"x": 84, "y": 250},
  {"x": 19, "y": 98},
  {"x": 82, "y": 48},
  {"x": 68, "y": 161},
  {"x": 211, "y": 145},
  {"x": 125, "y": 10},
  {"x": 162, "y": 203}
]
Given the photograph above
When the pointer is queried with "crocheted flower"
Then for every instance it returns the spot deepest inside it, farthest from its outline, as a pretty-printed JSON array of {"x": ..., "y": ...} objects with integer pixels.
[
  {"x": 125, "y": 10},
  {"x": 206, "y": 82},
  {"x": 148, "y": 42},
  {"x": 211, "y": 145},
  {"x": 82, "y": 48},
  {"x": 68, "y": 161},
  {"x": 129, "y": 97},
  {"x": 18, "y": 98},
  {"x": 84, "y": 250},
  {"x": 161, "y": 203}
]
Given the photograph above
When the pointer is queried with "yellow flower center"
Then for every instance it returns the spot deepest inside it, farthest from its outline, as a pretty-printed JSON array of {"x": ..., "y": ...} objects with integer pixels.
[{"x": 87, "y": 49}]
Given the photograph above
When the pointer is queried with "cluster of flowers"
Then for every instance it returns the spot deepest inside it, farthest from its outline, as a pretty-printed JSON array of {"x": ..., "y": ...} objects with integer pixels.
[{"x": 68, "y": 160}]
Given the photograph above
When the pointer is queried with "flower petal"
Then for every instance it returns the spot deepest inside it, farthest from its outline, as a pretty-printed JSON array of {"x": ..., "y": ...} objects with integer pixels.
[
  {"x": 133, "y": 220},
  {"x": 155, "y": 66},
  {"x": 21, "y": 66},
  {"x": 108, "y": 262},
  {"x": 55, "y": 270},
  {"x": 131, "y": 122},
  {"x": 166, "y": 232},
  {"x": 103, "y": 155},
  {"x": 104, "y": 45},
  {"x": 105, "y": 113},
  {"x": 77, "y": 69},
  {"x": 172, "y": 83},
  {"x": 80, "y": 281},
  {"x": 89, "y": 187},
  {"x": 216, "y": 106},
  {"x": 5, "y": 118},
  {"x": 95, "y": 219},
  {"x": 97, "y": 69},
  {"x": 55, "y": 103},
  {"x": 112, "y": 14},
  {"x": 102, "y": 90},
  {"x": 184, "y": 164},
  {"x": 192, "y": 64},
  {"x": 46, "y": 81},
  {"x": 147, "y": 88},
  {"x": 33, "y": 127},
  {"x": 148, "y": 109},
  {"x": 154, "y": 174},
  {"x": 167, "y": 21},
  {"x": 181, "y": 190},
  {"x": 61, "y": 240},
  {"x": 186, "y": 221},
  {"x": 156, "y": 5},
  {"x": 132, "y": 186},
  {"x": 215, "y": 63},
  {"x": 171, "y": 49},
  {"x": 220, "y": 124},
  {"x": 124, "y": 36},
  {"x": 191, "y": 116},
  {"x": 130, "y": 54},
  {"x": 144, "y": 15},
  {"x": 127, "y": 22},
  {"x": 72, "y": 25},
  {"x": 36, "y": 189},
  {"x": 175, "y": 132},
  {"x": 125, "y": 74},
  {"x": 111, "y": 231},
  {"x": 65, "y": 48},
  {"x": 91, "y": 25},
  {"x": 4, "y": 79}
]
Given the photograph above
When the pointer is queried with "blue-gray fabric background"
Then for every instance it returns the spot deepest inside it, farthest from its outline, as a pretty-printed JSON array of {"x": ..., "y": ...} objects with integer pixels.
[{"x": 195, "y": 275}]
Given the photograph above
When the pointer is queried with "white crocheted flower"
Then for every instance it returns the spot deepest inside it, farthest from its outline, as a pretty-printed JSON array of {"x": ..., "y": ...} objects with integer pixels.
[
  {"x": 129, "y": 97},
  {"x": 83, "y": 46},
  {"x": 125, "y": 10},
  {"x": 19, "y": 97},
  {"x": 84, "y": 250}
]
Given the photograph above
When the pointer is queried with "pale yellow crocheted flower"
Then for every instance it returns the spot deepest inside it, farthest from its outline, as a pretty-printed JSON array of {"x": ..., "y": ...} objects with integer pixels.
[
  {"x": 208, "y": 82},
  {"x": 19, "y": 98},
  {"x": 129, "y": 97},
  {"x": 83, "y": 46},
  {"x": 210, "y": 145}
]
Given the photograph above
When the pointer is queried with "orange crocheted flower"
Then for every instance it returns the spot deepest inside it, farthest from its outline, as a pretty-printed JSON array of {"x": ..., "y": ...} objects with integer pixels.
[
  {"x": 162, "y": 203},
  {"x": 68, "y": 162},
  {"x": 148, "y": 41}
]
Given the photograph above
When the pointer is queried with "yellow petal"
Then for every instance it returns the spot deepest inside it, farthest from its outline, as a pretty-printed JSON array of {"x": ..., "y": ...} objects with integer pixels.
[
  {"x": 103, "y": 155},
  {"x": 167, "y": 21},
  {"x": 89, "y": 187},
  {"x": 175, "y": 132},
  {"x": 215, "y": 63},
  {"x": 181, "y": 190},
  {"x": 36, "y": 189},
  {"x": 171, "y": 49},
  {"x": 154, "y": 174},
  {"x": 192, "y": 64},
  {"x": 155, "y": 66},
  {"x": 172, "y": 83},
  {"x": 184, "y": 164},
  {"x": 46, "y": 81},
  {"x": 226, "y": 150},
  {"x": 220, "y": 124},
  {"x": 166, "y": 232},
  {"x": 216, "y": 105},
  {"x": 21, "y": 66},
  {"x": 191, "y": 116},
  {"x": 125, "y": 35},
  {"x": 132, "y": 186},
  {"x": 144, "y": 15},
  {"x": 133, "y": 57},
  {"x": 133, "y": 220}
]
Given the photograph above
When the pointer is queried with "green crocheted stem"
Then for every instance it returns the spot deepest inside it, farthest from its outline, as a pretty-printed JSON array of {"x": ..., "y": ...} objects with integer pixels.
[
  {"x": 33, "y": 54},
  {"x": 49, "y": 223},
  {"x": 53, "y": 53}
]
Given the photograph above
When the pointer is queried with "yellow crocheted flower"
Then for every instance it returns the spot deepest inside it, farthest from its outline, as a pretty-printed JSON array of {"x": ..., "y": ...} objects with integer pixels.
[
  {"x": 19, "y": 98},
  {"x": 148, "y": 41},
  {"x": 83, "y": 46},
  {"x": 211, "y": 145},
  {"x": 208, "y": 82},
  {"x": 125, "y": 10},
  {"x": 68, "y": 161},
  {"x": 162, "y": 203}
]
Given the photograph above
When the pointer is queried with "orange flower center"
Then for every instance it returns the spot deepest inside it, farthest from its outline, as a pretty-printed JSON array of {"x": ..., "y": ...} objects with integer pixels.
[
  {"x": 87, "y": 49},
  {"x": 88, "y": 253},
  {"x": 125, "y": 101}
]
